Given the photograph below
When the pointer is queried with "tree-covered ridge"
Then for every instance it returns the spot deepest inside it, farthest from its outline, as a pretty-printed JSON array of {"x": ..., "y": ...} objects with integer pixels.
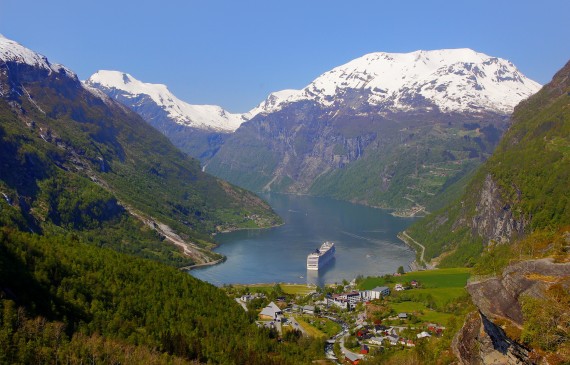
[
  {"x": 92, "y": 302},
  {"x": 522, "y": 188},
  {"x": 75, "y": 160}
]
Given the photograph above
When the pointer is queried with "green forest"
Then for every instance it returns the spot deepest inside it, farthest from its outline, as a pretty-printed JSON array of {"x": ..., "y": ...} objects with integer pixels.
[{"x": 62, "y": 300}]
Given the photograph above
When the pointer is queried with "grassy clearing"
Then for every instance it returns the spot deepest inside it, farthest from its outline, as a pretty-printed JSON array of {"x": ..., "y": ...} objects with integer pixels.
[
  {"x": 311, "y": 330},
  {"x": 291, "y": 289},
  {"x": 440, "y": 278},
  {"x": 422, "y": 312},
  {"x": 438, "y": 288},
  {"x": 441, "y": 296},
  {"x": 325, "y": 325}
]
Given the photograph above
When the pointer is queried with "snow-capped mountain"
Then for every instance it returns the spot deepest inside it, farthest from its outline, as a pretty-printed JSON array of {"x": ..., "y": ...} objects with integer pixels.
[
  {"x": 135, "y": 94},
  {"x": 385, "y": 129},
  {"x": 451, "y": 80},
  {"x": 11, "y": 51}
]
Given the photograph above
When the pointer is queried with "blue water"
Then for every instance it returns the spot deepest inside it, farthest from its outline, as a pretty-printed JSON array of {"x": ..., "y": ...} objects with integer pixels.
[{"x": 364, "y": 237}]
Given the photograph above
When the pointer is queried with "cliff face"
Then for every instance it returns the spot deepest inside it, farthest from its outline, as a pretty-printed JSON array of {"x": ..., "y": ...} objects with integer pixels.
[
  {"x": 480, "y": 341},
  {"x": 499, "y": 300},
  {"x": 494, "y": 218}
]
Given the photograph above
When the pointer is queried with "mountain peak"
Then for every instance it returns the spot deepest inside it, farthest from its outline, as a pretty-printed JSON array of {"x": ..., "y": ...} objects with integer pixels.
[
  {"x": 451, "y": 80},
  {"x": 125, "y": 86},
  {"x": 12, "y": 51}
]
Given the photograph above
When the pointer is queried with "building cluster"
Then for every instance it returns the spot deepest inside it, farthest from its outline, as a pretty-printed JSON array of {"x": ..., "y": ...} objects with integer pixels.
[
  {"x": 248, "y": 297},
  {"x": 348, "y": 300}
]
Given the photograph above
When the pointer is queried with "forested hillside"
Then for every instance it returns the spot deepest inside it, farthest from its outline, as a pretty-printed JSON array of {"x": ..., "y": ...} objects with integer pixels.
[
  {"x": 64, "y": 301},
  {"x": 521, "y": 189},
  {"x": 73, "y": 160},
  {"x": 88, "y": 194}
]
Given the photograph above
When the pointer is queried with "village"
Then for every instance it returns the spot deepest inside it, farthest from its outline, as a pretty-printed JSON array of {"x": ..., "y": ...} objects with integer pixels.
[{"x": 355, "y": 322}]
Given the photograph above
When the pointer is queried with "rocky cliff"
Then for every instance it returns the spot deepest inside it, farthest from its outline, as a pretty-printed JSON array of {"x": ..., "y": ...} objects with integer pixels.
[
  {"x": 480, "y": 341},
  {"x": 494, "y": 218},
  {"x": 495, "y": 334}
]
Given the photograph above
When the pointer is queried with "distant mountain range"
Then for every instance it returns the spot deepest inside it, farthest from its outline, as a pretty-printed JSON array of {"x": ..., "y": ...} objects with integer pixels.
[
  {"x": 390, "y": 130},
  {"x": 143, "y": 96},
  {"x": 449, "y": 80}
]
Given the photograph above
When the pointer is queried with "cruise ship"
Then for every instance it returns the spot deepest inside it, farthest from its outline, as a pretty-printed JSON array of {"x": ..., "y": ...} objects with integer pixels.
[{"x": 320, "y": 256}]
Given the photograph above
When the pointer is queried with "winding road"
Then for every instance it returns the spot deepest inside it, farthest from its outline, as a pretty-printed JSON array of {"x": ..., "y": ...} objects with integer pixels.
[{"x": 422, "y": 261}]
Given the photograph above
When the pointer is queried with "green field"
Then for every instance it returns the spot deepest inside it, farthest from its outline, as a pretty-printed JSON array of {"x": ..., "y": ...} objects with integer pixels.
[
  {"x": 440, "y": 278},
  {"x": 311, "y": 330},
  {"x": 438, "y": 289},
  {"x": 291, "y": 289},
  {"x": 422, "y": 312}
]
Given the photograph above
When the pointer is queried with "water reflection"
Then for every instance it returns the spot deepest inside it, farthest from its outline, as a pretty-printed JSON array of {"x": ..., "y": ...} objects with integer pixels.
[{"x": 317, "y": 277}]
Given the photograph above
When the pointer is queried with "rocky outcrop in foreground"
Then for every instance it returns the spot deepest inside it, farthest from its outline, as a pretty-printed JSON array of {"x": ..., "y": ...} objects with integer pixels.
[{"x": 482, "y": 340}]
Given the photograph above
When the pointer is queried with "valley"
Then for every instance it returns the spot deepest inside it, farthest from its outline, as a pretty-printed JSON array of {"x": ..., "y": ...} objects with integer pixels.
[
  {"x": 395, "y": 140},
  {"x": 112, "y": 188}
]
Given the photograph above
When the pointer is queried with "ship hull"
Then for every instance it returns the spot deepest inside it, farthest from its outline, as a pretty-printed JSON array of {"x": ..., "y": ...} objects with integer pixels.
[{"x": 320, "y": 257}]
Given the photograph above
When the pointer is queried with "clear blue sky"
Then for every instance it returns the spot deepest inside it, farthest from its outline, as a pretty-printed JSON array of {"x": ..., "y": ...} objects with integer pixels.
[{"x": 233, "y": 53}]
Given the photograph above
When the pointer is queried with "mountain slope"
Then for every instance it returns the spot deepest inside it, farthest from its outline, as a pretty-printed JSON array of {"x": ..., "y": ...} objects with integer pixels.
[
  {"x": 521, "y": 189},
  {"x": 198, "y": 130},
  {"x": 390, "y": 130},
  {"x": 120, "y": 85},
  {"x": 87, "y": 188},
  {"x": 513, "y": 225},
  {"x": 88, "y": 162}
]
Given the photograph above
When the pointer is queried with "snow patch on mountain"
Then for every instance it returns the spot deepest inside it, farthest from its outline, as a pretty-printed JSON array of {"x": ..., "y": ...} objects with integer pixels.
[
  {"x": 458, "y": 80},
  {"x": 209, "y": 117},
  {"x": 11, "y": 51}
]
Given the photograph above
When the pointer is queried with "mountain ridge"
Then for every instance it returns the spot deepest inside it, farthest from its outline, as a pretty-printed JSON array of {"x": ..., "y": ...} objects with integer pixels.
[
  {"x": 506, "y": 201},
  {"x": 389, "y": 77},
  {"x": 198, "y": 116},
  {"x": 395, "y": 146},
  {"x": 63, "y": 136}
]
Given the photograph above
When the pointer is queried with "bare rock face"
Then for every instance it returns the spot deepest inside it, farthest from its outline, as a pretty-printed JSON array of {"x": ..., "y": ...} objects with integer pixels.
[
  {"x": 494, "y": 219},
  {"x": 480, "y": 341},
  {"x": 499, "y": 297}
]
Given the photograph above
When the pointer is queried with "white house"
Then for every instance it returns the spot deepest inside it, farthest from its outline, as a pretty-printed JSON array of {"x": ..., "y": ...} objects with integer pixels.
[
  {"x": 272, "y": 312},
  {"x": 309, "y": 309},
  {"x": 377, "y": 340},
  {"x": 423, "y": 334}
]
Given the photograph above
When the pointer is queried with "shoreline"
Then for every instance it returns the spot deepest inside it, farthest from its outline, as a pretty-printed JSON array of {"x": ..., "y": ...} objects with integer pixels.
[
  {"x": 205, "y": 264},
  {"x": 245, "y": 229}
]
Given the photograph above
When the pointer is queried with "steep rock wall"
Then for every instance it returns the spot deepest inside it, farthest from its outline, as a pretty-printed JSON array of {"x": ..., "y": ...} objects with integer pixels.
[{"x": 494, "y": 218}]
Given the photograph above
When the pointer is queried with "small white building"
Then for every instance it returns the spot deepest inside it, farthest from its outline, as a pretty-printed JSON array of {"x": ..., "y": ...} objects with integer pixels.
[
  {"x": 272, "y": 312},
  {"x": 309, "y": 309},
  {"x": 377, "y": 340},
  {"x": 423, "y": 334},
  {"x": 376, "y": 293}
]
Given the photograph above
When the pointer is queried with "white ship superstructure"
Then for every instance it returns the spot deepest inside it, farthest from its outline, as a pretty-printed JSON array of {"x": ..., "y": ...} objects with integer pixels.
[{"x": 320, "y": 256}]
